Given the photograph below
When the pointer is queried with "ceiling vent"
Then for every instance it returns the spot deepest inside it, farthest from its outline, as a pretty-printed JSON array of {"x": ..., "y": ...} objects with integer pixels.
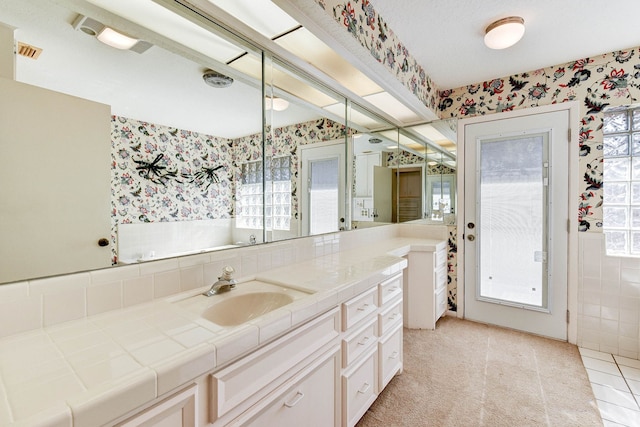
[
  {"x": 28, "y": 50},
  {"x": 215, "y": 79}
]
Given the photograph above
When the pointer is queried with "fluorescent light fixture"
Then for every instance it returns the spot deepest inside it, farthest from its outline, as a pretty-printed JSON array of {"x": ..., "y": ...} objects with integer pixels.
[
  {"x": 277, "y": 104},
  {"x": 113, "y": 38},
  {"x": 396, "y": 109},
  {"x": 504, "y": 33}
]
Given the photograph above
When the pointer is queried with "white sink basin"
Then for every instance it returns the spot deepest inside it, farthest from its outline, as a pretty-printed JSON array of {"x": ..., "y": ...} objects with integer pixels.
[{"x": 249, "y": 300}]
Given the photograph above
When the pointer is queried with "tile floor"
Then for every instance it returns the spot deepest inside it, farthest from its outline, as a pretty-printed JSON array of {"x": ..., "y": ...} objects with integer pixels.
[{"x": 615, "y": 381}]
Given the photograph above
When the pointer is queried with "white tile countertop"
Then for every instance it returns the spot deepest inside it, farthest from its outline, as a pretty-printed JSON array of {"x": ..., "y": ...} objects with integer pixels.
[{"x": 90, "y": 371}]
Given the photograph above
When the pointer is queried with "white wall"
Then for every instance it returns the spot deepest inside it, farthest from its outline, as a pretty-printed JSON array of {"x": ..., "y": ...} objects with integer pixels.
[{"x": 608, "y": 299}]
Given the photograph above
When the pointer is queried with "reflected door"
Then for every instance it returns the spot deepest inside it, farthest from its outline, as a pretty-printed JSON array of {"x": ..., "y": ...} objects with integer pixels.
[
  {"x": 516, "y": 211},
  {"x": 323, "y": 187}
]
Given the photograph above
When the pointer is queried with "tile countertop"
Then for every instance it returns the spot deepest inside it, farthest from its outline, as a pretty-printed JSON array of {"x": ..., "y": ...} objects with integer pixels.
[{"x": 88, "y": 372}]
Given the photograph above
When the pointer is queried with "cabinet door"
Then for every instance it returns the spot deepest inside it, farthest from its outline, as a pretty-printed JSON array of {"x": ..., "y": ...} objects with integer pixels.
[
  {"x": 311, "y": 401},
  {"x": 359, "y": 388},
  {"x": 178, "y": 410}
]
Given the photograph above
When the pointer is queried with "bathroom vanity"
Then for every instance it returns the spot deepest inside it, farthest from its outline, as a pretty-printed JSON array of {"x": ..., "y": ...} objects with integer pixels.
[{"x": 323, "y": 353}]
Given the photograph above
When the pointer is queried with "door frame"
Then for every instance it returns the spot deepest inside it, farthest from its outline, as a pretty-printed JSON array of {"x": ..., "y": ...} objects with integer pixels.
[
  {"x": 303, "y": 228},
  {"x": 573, "y": 109}
]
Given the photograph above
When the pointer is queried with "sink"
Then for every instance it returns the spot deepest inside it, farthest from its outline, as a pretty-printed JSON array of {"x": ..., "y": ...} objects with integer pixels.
[
  {"x": 238, "y": 309},
  {"x": 248, "y": 301}
]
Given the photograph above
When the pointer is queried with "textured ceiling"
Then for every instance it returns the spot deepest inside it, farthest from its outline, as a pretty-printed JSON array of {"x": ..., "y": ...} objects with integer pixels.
[{"x": 446, "y": 37}]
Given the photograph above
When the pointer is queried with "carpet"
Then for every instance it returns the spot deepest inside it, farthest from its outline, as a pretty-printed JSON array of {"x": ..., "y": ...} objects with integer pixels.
[{"x": 471, "y": 374}]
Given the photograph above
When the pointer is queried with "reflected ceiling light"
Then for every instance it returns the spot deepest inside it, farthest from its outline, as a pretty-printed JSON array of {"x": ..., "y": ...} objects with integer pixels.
[
  {"x": 217, "y": 80},
  {"x": 116, "y": 39},
  {"x": 504, "y": 33},
  {"x": 277, "y": 104}
]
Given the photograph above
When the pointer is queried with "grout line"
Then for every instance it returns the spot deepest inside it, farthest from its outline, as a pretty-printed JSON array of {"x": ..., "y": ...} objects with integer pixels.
[{"x": 626, "y": 382}]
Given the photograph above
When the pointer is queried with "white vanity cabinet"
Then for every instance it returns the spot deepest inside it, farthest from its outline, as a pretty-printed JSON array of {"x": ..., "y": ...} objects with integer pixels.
[
  {"x": 311, "y": 396},
  {"x": 326, "y": 372},
  {"x": 371, "y": 346},
  {"x": 240, "y": 390},
  {"x": 179, "y": 410},
  {"x": 389, "y": 330},
  {"x": 425, "y": 286}
]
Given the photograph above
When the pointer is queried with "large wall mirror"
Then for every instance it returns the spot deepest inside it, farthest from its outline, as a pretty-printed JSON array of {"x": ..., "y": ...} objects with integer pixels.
[{"x": 188, "y": 109}]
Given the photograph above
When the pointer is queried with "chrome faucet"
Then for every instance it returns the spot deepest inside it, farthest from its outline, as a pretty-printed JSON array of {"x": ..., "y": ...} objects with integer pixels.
[{"x": 224, "y": 284}]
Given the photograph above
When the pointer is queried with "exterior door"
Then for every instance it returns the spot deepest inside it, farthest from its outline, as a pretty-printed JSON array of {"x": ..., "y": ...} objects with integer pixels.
[{"x": 516, "y": 216}]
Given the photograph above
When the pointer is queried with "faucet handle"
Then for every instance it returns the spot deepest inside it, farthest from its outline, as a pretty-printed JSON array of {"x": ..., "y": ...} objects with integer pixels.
[{"x": 227, "y": 272}]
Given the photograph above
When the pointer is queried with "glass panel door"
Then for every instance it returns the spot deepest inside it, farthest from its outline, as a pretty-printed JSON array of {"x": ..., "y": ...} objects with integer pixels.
[
  {"x": 516, "y": 211},
  {"x": 512, "y": 190}
]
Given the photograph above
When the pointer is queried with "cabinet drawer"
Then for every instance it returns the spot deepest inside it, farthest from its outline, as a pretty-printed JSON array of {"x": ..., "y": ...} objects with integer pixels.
[
  {"x": 308, "y": 399},
  {"x": 441, "y": 302},
  {"x": 390, "y": 289},
  {"x": 359, "y": 308},
  {"x": 441, "y": 278},
  {"x": 390, "y": 317},
  {"x": 390, "y": 353},
  {"x": 359, "y": 388},
  {"x": 441, "y": 257},
  {"x": 251, "y": 378},
  {"x": 359, "y": 342}
]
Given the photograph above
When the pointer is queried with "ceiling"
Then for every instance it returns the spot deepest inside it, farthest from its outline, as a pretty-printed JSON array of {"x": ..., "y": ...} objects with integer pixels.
[{"x": 446, "y": 37}]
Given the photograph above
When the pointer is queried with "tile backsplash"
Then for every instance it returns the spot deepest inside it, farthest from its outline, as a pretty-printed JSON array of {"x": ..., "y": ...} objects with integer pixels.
[{"x": 29, "y": 305}]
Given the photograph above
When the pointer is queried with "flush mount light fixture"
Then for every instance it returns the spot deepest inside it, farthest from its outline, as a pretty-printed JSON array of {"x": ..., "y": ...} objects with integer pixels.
[
  {"x": 504, "y": 32},
  {"x": 116, "y": 39},
  {"x": 277, "y": 104},
  {"x": 215, "y": 79},
  {"x": 108, "y": 35}
]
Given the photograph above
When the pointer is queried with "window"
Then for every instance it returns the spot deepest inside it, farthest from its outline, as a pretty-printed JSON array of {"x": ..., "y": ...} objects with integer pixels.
[
  {"x": 621, "y": 198},
  {"x": 277, "y": 198}
]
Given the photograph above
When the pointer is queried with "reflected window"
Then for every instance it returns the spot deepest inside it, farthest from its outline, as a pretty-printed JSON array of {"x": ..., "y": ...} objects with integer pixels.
[{"x": 277, "y": 199}]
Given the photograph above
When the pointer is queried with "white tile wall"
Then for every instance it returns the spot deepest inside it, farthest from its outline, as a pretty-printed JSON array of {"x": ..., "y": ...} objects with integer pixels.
[
  {"x": 30, "y": 305},
  {"x": 608, "y": 299}
]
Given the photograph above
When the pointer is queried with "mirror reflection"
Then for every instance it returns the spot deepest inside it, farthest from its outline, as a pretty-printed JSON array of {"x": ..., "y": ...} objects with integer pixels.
[{"x": 186, "y": 116}]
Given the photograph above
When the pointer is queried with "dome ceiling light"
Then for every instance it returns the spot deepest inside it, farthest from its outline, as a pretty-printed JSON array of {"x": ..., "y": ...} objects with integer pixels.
[
  {"x": 504, "y": 32},
  {"x": 275, "y": 103}
]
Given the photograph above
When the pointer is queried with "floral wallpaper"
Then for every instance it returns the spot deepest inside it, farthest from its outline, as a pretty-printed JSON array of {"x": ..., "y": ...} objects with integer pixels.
[
  {"x": 160, "y": 173},
  {"x": 607, "y": 80},
  {"x": 360, "y": 19}
]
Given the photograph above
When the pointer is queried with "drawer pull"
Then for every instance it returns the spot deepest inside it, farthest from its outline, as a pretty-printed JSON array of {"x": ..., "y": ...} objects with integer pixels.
[
  {"x": 365, "y": 387},
  {"x": 394, "y": 355},
  {"x": 395, "y": 288},
  {"x": 364, "y": 340},
  {"x": 364, "y": 307},
  {"x": 293, "y": 402},
  {"x": 394, "y": 316}
]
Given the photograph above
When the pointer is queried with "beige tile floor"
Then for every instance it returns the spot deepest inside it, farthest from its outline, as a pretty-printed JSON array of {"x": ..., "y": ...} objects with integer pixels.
[{"x": 615, "y": 381}]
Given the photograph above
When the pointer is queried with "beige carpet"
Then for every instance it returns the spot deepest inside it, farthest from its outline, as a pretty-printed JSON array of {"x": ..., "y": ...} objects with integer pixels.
[{"x": 469, "y": 374}]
